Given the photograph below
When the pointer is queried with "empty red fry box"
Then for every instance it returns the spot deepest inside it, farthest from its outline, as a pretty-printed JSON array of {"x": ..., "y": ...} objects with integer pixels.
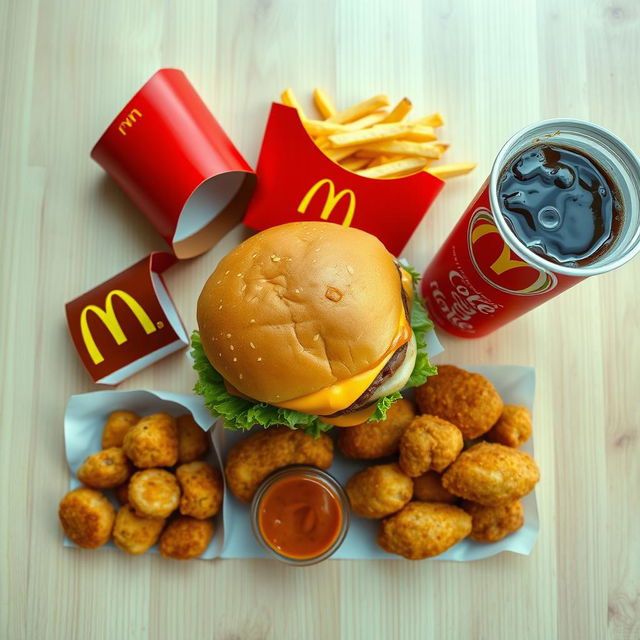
[{"x": 171, "y": 157}]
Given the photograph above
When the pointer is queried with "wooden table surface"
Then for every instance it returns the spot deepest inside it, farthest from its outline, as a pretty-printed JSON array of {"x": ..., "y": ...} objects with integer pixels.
[{"x": 491, "y": 67}]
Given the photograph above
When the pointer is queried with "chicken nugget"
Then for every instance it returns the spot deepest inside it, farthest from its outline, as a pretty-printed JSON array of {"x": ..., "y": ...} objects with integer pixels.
[
  {"x": 513, "y": 428},
  {"x": 490, "y": 524},
  {"x": 491, "y": 474},
  {"x": 116, "y": 426},
  {"x": 193, "y": 442},
  {"x": 134, "y": 533},
  {"x": 379, "y": 491},
  {"x": 86, "y": 517},
  {"x": 122, "y": 493},
  {"x": 252, "y": 459},
  {"x": 105, "y": 469},
  {"x": 468, "y": 400},
  {"x": 186, "y": 538},
  {"x": 429, "y": 442},
  {"x": 372, "y": 440},
  {"x": 153, "y": 442},
  {"x": 428, "y": 488},
  {"x": 154, "y": 493},
  {"x": 202, "y": 489},
  {"x": 423, "y": 530}
]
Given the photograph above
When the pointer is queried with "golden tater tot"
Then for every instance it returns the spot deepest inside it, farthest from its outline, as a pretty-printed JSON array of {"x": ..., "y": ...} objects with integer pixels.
[
  {"x": 428, "y": 488},
  {"x": 513, "y": 428},
  {"x": 490, "y": 524},
  {"x": 378, "y": 491},
  {"x": 202, "y": 490},
  {"x": 153, "y": 442},
  {"x": 134, "y": 533},
  {"x": 122, "y": 493},
  {"x": 105, "y": 469},
  {"x": 154, "y": 493},
  {"x": 193, "y": 442},
  {"x": 186, "y": 538},
  {"x": 86, "y": 517},
  {"x": 116, "y": 426},
  {"x": 377, "y": 439}
]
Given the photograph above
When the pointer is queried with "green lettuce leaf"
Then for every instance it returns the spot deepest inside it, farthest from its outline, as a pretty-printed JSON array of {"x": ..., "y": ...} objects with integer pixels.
[{"x": 241, "y": 414}]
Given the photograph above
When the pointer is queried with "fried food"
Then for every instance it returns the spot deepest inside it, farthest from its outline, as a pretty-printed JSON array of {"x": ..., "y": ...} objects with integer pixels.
[
  {"x": 429, "y": 442},
  {"x": 468, "y": 400},
  {"x": 153, "y": 442},
  {"x": 491, "y": 474},
  {"x": 490, "y": 524},
  {"x": 186, "y": 538},
  {"x": 116, "y": 426},
  {"x": 86, "y": 517},
  {"x": 372, "y": 440},
  {"x": 252, "y": 459},
  {"x": 423, "y": 530},
  {"x": 513, "y": 428},
  {"x": 134, "y": 533},
  {"x": 379, "y": 491},
  {"x": 202, "y": 490},
  {"x": 193, "y": 442},
  {"x": 105, "y": 469},
  {"x": 428, "y": 488},
  {"x": 154, "y": 493},
  {"x": 122, "y": 493}
]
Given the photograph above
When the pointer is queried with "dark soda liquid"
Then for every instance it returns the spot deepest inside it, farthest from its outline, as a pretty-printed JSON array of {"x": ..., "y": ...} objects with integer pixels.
[{"x": 561, "y": 204}]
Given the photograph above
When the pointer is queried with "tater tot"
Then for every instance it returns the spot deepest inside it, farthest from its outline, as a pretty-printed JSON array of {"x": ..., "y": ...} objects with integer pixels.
[
  {"x": 490, "y": 524},
  {"x": 513, "y": 428},
  {"x": 428, "y": 488},
  {"x": 193, "y": 442},
  {"x": 154, "y": 493},
  {"x": 122, "y": 493},
  {"x": 105, "y": 469},
  {"x": 153, "y": 442},
  {"x": 186, "y": 538},
  {"x": 116, "y": 426},
  {"x": 86, "y": 517},
  {"x": 202, "y": 490},
  {"x": 378, "y": 491},
  {"x": 134, "y": 533}
]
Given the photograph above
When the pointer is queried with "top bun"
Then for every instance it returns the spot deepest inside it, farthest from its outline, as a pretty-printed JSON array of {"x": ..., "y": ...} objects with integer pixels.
[{"x": 299, "y": 307}]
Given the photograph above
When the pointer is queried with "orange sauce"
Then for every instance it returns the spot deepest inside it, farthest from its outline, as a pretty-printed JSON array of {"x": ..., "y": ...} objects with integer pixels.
[{"x": 300, "y": 517}]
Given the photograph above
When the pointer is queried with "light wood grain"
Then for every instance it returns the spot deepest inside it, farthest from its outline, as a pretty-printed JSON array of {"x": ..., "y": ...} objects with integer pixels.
[{"x": 491, "y": 67}]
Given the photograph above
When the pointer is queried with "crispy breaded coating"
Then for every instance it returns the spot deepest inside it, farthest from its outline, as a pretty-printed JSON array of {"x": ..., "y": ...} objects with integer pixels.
[
  {"x": 490, "y": 524},
  {"x": 193, "y": 442},
  {"x": 513, "y": 428},
  {"x": 428, "y": 488},
  {"x": 202, "y": 490},
  {"x": 134, "y": 533},
  {"x": 153, "y": 442},
  {"x": 186, "y": 538},
  {"x": 429, "y": 442},
  {"x": 154, "y": 493},
  {"x": 252, "y": 459},
  {"x": 423, "y": 530},
  {"x": 105, "y": 469},
  {"x": 468, "y": 400},
  {"x": 491, "y": 474},
  {"x": 86, "y": 517},
  {"x": 379, "y": 491},
  {"x": 372, "y": 440},
  {"x": 116, "y": 426}
]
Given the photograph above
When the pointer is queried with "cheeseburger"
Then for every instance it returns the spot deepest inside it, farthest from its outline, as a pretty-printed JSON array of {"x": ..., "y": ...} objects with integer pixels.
[{"x": 308, "y": 324}]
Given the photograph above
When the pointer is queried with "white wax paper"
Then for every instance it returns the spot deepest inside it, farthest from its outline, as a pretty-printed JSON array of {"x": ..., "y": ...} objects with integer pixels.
[{"x": 84, "y": 420}]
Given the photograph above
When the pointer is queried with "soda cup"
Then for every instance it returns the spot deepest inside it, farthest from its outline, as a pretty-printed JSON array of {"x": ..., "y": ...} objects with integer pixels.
[{"x": 488, "y": 273}]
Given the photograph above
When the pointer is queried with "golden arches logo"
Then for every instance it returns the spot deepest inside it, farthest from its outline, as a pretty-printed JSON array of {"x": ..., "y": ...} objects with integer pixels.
[
  {"x": 129, "y": 121},
  {"x": 110, "y": 320},
  {"x": 331, "y": 201}
]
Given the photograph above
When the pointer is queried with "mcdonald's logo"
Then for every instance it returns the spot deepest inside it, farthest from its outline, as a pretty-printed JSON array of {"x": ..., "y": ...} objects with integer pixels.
[
  {"x": 129, "y": 121},
  {"x": 109, "y": 319},
  {"x": 331, "y": 201}
]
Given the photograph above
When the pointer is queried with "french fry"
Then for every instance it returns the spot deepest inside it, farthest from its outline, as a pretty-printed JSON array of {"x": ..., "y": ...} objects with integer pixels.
[
  {"x": 400, "y": 147},
  {"x": 432, "y": 120},
  {"x": 323, "y": 103},
  {"x": 445, "y": 171},
  {"x": 340, "y": 154},
  {"x": 399, "y": 112},
  {"x": 290, "y": 100},
  {"x": 353, "y": 164},
  {"x": 419, "y": 133},
  {"x": 323, "y": 128},
  {"x": 392, "y": 169},
  {"x": 367, "y": 121},
  {"x": 366, "y": 136},
  {"x": 361, "y": 109}
]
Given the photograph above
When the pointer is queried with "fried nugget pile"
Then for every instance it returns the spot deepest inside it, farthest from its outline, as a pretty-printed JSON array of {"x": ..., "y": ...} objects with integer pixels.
[
  {"x": 168, "y": 495},
  {"x": 440, "y": 492}
]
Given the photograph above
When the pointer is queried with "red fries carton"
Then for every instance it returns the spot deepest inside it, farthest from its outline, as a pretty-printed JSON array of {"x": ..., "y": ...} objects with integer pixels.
[{"x": 296, "y": 181}]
